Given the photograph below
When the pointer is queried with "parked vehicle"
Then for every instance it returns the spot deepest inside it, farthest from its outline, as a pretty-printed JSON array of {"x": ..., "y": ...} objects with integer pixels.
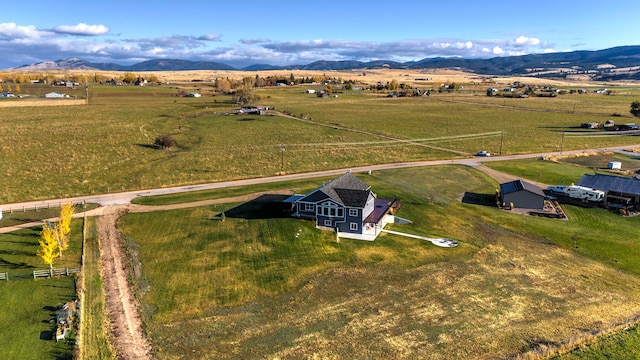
[
  {"x": 578, "y": 192},
  {"x": 483, "y": 153}
]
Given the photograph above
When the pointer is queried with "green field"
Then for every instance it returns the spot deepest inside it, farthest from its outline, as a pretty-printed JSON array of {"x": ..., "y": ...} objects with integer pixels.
[
  {"x": 29, "y": 304},
  {"x": 106, "y": 146},
  {"x": 255, "y": 290}
]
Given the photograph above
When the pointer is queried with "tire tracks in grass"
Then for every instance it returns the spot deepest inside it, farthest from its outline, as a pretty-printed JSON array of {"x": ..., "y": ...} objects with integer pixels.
[{"x": 386, "y": 137}]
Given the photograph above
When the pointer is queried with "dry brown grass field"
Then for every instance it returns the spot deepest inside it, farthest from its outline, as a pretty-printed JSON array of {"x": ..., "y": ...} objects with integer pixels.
[
  {"x": 52, "y": 102},
  {"x": 436, "y": 76}
]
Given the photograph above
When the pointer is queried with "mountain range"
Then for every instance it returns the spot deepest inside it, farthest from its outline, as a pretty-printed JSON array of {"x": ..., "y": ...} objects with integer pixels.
[{"x": 617, "y": 63}]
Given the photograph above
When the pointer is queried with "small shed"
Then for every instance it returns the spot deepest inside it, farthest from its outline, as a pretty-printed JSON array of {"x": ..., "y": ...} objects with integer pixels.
[
  {"x": 614, "y": 165},
  {"x": 521, "y": 194}
]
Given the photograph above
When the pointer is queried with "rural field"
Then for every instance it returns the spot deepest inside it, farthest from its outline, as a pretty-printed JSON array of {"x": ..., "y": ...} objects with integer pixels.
[
  {"x": 258, "y": 285},
  {"x": 107, "y": 146}
]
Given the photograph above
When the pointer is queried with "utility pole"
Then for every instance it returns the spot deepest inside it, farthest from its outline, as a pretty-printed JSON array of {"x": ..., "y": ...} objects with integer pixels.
[
  {"x": 562, "y": 143},
  {"x": 282, "y": 158},
  {"x": 501, "y": 141}
]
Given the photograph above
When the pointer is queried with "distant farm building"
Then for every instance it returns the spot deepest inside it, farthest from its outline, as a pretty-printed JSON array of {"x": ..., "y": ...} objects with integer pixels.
[
  {"x": 521, "y": 194},
  {"x": 258, "y": 110},
  {"x": 55, "y": 95}
]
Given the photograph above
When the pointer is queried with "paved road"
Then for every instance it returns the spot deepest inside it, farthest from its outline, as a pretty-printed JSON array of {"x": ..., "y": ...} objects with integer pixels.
[{"x": 123, "y": 198}]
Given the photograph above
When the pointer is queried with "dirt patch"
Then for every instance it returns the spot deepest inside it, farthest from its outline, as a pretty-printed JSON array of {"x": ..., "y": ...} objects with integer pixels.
[{"x": 125, "y": 323}]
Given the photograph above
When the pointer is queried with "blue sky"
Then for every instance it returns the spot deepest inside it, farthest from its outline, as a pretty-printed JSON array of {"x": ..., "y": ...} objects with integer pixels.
[{"x": 275, "y": 32}]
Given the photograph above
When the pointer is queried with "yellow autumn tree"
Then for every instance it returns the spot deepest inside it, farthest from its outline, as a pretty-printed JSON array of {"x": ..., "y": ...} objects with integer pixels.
[
  {"x": 48, "y": 245},
  {"x": 63, "y": 228}
]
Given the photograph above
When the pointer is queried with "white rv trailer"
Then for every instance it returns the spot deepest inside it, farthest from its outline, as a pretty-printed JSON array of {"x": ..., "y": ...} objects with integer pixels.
[{"x": 578, "y": 192}]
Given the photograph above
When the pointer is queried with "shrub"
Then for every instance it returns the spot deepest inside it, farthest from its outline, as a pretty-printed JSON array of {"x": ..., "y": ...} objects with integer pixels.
[{"x": 164, "y": 141}]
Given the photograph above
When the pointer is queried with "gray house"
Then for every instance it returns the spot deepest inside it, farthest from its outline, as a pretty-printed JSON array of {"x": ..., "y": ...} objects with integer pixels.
[
  {"x": 347, "y": 205},
  {"x": 620, "y": 192},
  {"x": 521, "y": 194}
]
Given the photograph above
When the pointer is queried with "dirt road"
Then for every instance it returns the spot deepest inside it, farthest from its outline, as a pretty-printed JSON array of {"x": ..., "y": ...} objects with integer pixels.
[{"x": 122, "y": 307}]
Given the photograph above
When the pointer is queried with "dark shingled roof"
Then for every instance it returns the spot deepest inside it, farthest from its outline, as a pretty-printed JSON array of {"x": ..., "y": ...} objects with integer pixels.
[
  {"x": 346, "y": 190},
  {"x": 353, "y": 198},
  {"x": 517, "y": 185},
  {"x": 611, "y": 183}
]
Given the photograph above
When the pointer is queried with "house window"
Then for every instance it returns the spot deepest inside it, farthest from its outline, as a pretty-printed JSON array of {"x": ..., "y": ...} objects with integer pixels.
[
  {"x": 309, "y": 207},
  {"x": 327, "y": 223},
  {"x": 353, "y": 226},
  {"x": 353, "y": 212},
  {"x": 331, "y": 211}
]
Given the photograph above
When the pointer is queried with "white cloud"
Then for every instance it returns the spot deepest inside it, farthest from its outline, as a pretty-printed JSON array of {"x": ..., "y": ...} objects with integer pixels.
[
  {"x": 82, "y": 29},
  {"x": 523, "y": 41},
  {"x": 27, "y": 44},
  {"x": 11, "y": 31}
]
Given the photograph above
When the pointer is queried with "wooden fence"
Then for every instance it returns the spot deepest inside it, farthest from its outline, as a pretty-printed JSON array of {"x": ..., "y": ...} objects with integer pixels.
[
  {"x": 4, "y": 276},
  {"x": 45, "y": 205},
  {"x": 55, "y": 272}
]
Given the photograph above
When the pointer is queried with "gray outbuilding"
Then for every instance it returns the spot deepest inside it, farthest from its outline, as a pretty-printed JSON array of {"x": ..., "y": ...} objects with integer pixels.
[{"x": 521, "y": 194}]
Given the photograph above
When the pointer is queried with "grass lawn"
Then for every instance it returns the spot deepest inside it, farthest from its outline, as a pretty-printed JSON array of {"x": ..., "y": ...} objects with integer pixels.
[
  {"x": 30, "y": 304},
  {"x": 547, "y": 172},
  {"x": 254, "y": 289},
  {"x": 94, "y": 339}
]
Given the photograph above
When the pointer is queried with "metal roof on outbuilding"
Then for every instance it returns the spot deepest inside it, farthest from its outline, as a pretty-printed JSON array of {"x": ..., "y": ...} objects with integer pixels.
[
  {"x": 611, "y": 183},
  {"x": 518, "y": 185}
]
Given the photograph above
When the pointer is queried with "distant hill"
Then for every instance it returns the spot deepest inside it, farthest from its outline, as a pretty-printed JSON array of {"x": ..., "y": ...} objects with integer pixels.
[
  {"x": 150, "y": 65},
  {"x": 616, "y": 63}
]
